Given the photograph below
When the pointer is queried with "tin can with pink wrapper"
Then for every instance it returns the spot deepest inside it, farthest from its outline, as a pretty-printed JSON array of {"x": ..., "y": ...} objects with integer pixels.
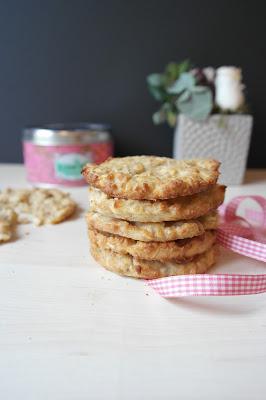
[{"x": 55, "y": 154}]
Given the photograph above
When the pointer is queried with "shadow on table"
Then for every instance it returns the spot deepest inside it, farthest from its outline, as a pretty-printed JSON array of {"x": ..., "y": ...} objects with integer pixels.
[
  {"x": 210, "y": 306},
  {"x": 225, "y": 305}
]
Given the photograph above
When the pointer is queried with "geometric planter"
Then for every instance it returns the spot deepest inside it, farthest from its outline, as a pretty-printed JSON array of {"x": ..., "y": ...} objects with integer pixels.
[{"x": 223, "y": 137}]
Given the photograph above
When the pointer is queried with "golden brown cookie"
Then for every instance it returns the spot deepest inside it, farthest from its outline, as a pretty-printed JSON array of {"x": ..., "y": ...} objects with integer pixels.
[
  {"x": 153, "y": 231},
  {"x": 180, "y": 250},
  {"x": 152, "y": 178},
  {"x": 185, "y": 207},
  {"x": 40, "y": 206},
  {"x": 8, "y": 219},
  {"x": 137, "y": 268}
]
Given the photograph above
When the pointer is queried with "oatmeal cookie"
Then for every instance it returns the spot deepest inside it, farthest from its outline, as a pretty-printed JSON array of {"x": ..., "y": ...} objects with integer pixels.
[
  {"x": 152, "y": 178},
  {"x": 8, "y": 219},
  {"x": 153, "y": 231},
  {"x": 40, "y": 206},
  {"x": 180, "y": 208},
  {"x": 129, "y": 266},
  {"x": 178, "y": 250}
]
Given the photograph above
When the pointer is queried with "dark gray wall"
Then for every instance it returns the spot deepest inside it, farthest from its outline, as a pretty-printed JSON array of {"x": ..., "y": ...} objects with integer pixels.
[{"x": 87, "y": 61}]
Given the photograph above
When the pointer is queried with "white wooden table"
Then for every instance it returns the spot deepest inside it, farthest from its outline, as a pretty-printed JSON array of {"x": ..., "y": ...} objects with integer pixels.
[{"x": 71, "y": 330}]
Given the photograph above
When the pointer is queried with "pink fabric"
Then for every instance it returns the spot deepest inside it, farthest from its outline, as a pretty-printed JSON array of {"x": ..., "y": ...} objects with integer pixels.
[
  {"x": 237, "y": 234},
  {"x": 209, "y": 285}
]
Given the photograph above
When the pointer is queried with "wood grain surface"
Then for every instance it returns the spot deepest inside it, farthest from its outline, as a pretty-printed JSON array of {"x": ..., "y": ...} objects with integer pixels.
[{"x": 71, "y": 330}]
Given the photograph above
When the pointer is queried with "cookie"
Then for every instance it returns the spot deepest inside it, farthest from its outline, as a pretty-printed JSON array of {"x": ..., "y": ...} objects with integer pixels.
[
  {"x": 153, "y": 231},
  {"x": 152, "y": 178},
  {"x": 178, "y": 250},
  {"x": 180, "y": 208},
  {"x": 8, "y": 219},
  {"x": 129, "y": 266},
  {"x": 40, "y": 206}
]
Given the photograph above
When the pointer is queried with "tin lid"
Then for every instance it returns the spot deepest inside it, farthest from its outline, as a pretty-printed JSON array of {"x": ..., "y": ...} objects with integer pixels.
[{"x": 62, "y": 134}]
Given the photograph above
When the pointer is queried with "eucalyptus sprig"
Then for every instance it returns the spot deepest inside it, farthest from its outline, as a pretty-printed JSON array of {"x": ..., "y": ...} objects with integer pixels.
[{"x": 179, "y": 91}]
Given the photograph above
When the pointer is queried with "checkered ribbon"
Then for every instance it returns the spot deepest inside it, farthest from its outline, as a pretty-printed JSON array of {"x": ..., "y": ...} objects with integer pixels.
[{"x": 237, "y": 234}]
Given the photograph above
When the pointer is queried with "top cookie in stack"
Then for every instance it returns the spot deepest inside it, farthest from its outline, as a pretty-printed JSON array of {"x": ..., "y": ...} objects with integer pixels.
[
  {"x": 154, "y": 216},
  {"x": 152, "y": 178}
]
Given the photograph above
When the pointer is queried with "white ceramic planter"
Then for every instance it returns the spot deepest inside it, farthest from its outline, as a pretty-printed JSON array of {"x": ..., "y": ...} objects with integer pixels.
[{"x": 223, "y": 137}]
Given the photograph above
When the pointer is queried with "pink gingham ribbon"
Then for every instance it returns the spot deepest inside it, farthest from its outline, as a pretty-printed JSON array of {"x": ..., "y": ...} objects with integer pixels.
[{"x": 237, "y": 234}]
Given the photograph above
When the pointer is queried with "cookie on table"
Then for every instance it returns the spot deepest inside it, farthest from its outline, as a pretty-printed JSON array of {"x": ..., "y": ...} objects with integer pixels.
[
  {"x": 178, "y": 250},
  {"x": 51, "y": 206},
  {"x": 180, "y": 208},
  {"x": 129, "y": 266},
  {"x": 152, "y": 178},
  {"x": 8, "y": 219},
  {"x": 40, "y": 206},
  {"x": 153, "y": 231}
]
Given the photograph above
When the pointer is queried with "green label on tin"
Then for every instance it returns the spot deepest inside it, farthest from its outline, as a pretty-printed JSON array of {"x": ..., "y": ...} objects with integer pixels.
[{"x": 69, "y": 166}]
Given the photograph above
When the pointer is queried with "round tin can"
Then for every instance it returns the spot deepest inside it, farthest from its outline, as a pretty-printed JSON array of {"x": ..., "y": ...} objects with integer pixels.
[{"x": 55, "y": 154}]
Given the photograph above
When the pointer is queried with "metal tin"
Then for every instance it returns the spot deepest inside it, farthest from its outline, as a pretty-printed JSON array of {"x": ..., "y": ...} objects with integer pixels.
[
  {"x": 55, "y": 154},
  {"x": 63, "y": 134}
]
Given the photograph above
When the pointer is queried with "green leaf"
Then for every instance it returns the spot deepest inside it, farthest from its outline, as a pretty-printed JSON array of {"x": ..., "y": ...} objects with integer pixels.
[
  {"x": 186, "y": 81},
  {"x": 185, "y": 96},
  {"x": 159, "y": 117},
  {"x": 199, "y": 89},
  {"x": 171, "y": 118},
  {"x": 198, "y": 106},
  {"x": 154, "y": 80},
  {"x": 166, "y": 107},
  {"x": 157, "y": 93},
  {"x": 172, "y": 71},
  {"x": 184, "y": 66}
]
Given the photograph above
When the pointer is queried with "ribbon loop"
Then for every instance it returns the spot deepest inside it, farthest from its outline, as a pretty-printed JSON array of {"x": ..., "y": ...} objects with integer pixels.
[
  {"x": 232, "y": 207},
  {"x": 233, "y": 236}
]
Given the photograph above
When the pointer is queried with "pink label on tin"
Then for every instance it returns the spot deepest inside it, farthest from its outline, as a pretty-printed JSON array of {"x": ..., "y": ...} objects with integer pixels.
[{"x": 62, "y": 164}]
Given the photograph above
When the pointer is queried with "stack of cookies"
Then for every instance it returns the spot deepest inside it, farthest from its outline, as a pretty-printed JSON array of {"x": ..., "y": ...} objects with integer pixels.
[{"x": 152, "y": 217}]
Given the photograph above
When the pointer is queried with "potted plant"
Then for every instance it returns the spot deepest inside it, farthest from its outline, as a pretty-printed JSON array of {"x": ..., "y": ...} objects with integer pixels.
[{"x": 208, "y": 110}]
